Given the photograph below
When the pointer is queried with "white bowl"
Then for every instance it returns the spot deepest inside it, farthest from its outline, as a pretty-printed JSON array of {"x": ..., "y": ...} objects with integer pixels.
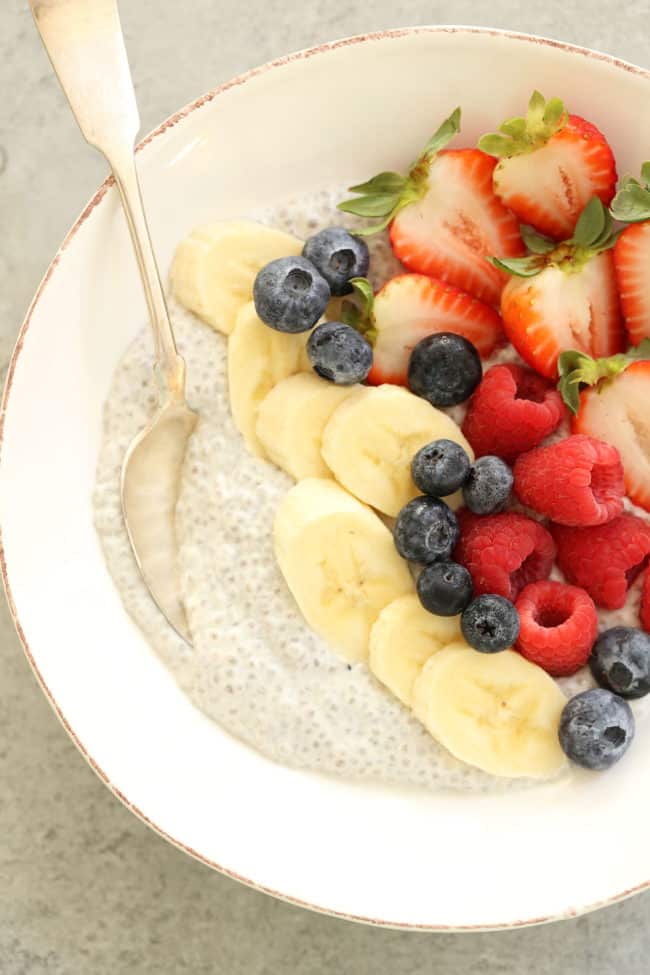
[{"x": 341, "y": 111}]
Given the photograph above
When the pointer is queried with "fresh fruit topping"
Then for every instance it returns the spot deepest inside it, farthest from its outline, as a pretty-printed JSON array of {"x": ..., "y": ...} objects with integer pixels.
[
  {"x": 444, "y": 369},
  {"x": 631, "y": 260},
  {"x": 500, "y": 713},
  {"x": 511, "y": 411},
  {"x": 632, "y": 253},
  {"x": 605, "y": 559},
  {"x": 490, "y": 623},
  {"x": 290, "y": 294},
  {"x": 616, "y": 411},
  {"x": 339, "y": 256},
  {"x": 578, "y": 370},
  {"x": 215, "y": 266},
  {"x": 551, "y": 164},
  {"x": 620, "y": 661},
  {"x": 371, "y": 438},
  {"x": 440, "y": 468},
  {"x": 596, "y": 729},
  {"x": 564, "y": 296},
  {"x": 339, "y": 561},
  {"x": 258, "y": 359},
  {"x": 402, "y": 640},
  {"x": 504, "y": 552},
  {"x": 339, "y": 353},
  {"x": 644, "y": 611},
  {"x": 291, "y": 420},
  {"x": 445, "y": 588},
  {"x": 426, "y": 531},
  {"x": 444, "y": 216},
  {"x": 407, "y": 309},
  {"x": 559, "y": 624},
  {"x": 488, "y": 486},
  {"x": 578, "y": 481}
]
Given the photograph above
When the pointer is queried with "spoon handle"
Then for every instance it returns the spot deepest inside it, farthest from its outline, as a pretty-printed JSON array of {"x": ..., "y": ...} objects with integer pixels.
[{"x": 84, "y": 41}]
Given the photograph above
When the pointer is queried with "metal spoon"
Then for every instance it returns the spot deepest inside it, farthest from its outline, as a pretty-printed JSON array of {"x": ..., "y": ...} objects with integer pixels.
[{"x": 84, "y": 41}]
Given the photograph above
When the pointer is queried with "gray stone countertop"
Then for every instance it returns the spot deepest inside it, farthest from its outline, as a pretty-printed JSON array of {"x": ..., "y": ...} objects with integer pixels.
[{"x": 85, "y": 888}]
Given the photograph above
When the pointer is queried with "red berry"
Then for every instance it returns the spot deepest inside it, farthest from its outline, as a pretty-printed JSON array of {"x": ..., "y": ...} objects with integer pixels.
[
  {"x": 504, "y": 552},
  {"x": 578, "y": 481},
  {"x": 512, "y": 410},
  {"x": 559, "y": 625},
  {"x": 604, "y": 559},
  {"x": 644, "y": 614}
]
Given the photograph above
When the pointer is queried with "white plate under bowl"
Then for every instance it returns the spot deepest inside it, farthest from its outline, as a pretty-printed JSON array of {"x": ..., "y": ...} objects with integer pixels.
[{"x": 340, "y": 112}]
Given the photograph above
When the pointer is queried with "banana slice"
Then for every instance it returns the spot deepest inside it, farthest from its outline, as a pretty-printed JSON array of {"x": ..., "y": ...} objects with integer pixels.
[
  {"x": 402, "y": 640},
  {"x": 371, "y": 438},
  {"x": 339, "y": 561},
  {"x": 258, "y": 359},
  {"x": 496, "y": 711},
  {"x": 214, "y": 268},
  {"x": 291, "y": 420}
]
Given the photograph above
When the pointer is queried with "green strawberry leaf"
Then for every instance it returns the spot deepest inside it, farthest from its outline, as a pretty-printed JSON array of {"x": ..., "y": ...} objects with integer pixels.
[
  {"x": 521, "y": 267},
  {"x": 535, "y": 242},
  {"x": 382, "y": 183},
  {"x": 386, "y": 194},
  {"x": 525, "y": 134},
  {"x": 594, "y": 230},
  {"x": 357, "y": 310},
  {"x": 577, "y": 369},
  {"x": 449, "y": 128},
  {"x": 632, "y": 202}
]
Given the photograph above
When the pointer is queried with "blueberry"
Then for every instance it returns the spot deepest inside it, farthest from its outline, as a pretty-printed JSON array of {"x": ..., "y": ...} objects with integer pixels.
[
  {"x": 426, "y": 530},
  {"x": 290, "y": 295},
  {"x": 488, "y": 486},
  {"x": 490, "y": 623},
  {"x": 440, "y": 468},
  {"x": 445, "y": 588},
  {"x": 339, "y": 353},
  {"x": 620, "y": 661},
  {"x": 596, "y": 729},
  {"x": 445, "y": 369},
  {"x": 338, "y": 256}
]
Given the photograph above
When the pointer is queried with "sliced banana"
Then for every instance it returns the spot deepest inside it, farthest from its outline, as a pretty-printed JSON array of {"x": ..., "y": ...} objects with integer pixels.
[
  {"x": 371, "y": 439},
  {"x": 214, "y": 268},
  {"x": 291, "y": 420},
  {"x": 496, "y": 711},
  {"x": 258, "y": 359},
  {"x": 339, "y": 561},
  {"x": 402, "y": 640}
]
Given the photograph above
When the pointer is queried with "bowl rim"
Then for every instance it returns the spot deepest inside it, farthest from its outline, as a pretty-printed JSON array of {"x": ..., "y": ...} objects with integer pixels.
[{"x": 168, "y": 123}]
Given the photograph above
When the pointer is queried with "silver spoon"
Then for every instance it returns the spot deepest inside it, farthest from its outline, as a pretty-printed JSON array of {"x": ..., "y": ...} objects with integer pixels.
[{"x": 84, "y": 41}]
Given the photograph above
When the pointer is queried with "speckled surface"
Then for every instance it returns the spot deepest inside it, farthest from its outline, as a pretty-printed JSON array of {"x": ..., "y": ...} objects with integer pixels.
[{"x": 85, "y": 888}]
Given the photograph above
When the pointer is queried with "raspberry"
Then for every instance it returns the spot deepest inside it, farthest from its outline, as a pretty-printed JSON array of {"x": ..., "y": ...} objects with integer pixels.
[
  {"x": 512, "y": 410},
  {"x": 578, "y": 481},
  {"x": 644, "y": 614},
  {"x": 604, "y": 559},
  {"x": 559, "y": 625},
  {"x": 504, "y": 552}
]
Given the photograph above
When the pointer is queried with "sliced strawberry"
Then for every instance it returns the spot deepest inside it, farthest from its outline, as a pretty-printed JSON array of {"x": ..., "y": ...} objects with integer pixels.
[
  {"x": 445, "y": 219},
  {"x": 618, "y": 412},
  {"x": 556, "y": 311},
  {"x": 551, "y": 165},
  {"x": 632, "y": 260},
  {"x": 411, "y": 306},
  {"x": 457, "y": 224},
  {"x": 563, "y": 296}
]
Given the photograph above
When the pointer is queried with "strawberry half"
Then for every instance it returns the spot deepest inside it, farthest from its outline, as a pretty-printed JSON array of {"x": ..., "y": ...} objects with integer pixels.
[
  {"x": 564, "y": 296},
  {"x": 411, "y": 306},
  {"x": 614, "y": 408},
  {"x": 550, "y": 165},
  {"x": 632, "y": 253},
  {"x": 444, "y": 217}
]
